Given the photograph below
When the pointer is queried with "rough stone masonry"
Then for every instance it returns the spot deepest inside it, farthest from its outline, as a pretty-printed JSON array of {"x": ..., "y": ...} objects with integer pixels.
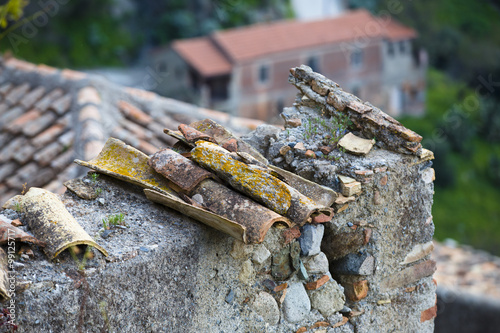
[{"x": 367, "y": 270}]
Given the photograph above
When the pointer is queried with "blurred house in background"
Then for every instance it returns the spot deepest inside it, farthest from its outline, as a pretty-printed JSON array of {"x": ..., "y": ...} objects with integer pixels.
[
  {"x": 244, "y": 71},
  {"x": 317, "y": 9}
]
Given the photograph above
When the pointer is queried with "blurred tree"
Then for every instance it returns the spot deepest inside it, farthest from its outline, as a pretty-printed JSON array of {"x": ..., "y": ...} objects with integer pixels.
[
  {"x": 444, "y": 168},
  {"x": 490, "y": 119},
  {"x": 11, "y": 11}
]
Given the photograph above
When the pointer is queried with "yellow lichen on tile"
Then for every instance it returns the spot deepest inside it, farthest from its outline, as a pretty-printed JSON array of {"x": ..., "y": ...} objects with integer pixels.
[{"x": 257, "y": 184}]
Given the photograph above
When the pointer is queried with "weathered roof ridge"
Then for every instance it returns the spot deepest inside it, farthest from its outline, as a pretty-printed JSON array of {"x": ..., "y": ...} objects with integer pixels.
[{"x": 368, "y": 119}]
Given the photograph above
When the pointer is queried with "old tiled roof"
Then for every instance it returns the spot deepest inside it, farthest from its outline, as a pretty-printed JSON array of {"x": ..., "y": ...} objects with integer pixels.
[
  {"x": 49, "y": 117},
  {"x": 242, "y": 44},
  {"x": 211, "y": 63}
]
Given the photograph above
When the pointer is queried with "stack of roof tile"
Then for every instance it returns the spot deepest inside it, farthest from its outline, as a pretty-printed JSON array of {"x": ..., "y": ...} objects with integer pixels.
[{"x": 49, "y": 117}]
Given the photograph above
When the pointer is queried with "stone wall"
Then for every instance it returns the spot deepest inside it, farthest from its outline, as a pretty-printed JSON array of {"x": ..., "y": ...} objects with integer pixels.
[{"x": 367, "y": 270}]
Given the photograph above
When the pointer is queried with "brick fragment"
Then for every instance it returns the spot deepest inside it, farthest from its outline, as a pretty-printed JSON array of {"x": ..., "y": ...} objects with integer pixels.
[
  {"x": 341, "y": 200},
  {"x": 383, "y": 180},
  {"x": 381, "y": 169},
  {"x": 364, "y": 173},
  {"x": 280, "y": 287},
  {"x": 341, "y": 323},
  {"x": 134, "y": 113},
  {"x": 301, "y": 330},
  {"x": 310, "y": 154},
  {"x": 320, "y": 324},
  {"x": 318, "y": 283},
  {"x": 376, "y": 198},
  {"x": 284, "y": 150},
  {"x": 368, "y": 234},
  {"x": 428, "y": 314},
  {"x": 344, "y": 207},
  {"x": 293, "y": 122},
  {"x": 16, "y": 223},
  {"x": 291, "y": 234},
  {"x": 408, "y": 275},
  {"x": 356, "y": 291},
  {"x": 326, "y": 149},
  {"x": 88, "y": 95},
  {"x": 350, "y": 189},
  {"x": 32, "y": 97}
]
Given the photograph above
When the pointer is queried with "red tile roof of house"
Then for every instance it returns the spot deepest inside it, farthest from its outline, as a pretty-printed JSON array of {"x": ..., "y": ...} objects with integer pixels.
[
  {"x": 215, "y": 54},
  {"x": 203, "y": 55},
  {"x": 49, "y": 117}
]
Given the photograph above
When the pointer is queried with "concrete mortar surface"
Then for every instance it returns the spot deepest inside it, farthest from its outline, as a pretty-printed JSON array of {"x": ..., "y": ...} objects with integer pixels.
[{"x": 165, "y": 273}]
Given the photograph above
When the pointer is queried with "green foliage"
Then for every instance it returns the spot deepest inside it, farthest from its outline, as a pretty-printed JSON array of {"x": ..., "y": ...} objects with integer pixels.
[
  {"x": 74, "y": 250},
  {"x": 94, "y": 177},
  {"x": 113, "y": 220},
  {"x": 467, "y": 162},
  {"x": 11, "y": 11},
  {"x": 334, "y": 127}
]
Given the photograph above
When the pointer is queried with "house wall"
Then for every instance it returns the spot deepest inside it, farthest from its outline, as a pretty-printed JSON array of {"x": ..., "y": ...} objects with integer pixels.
[
  {"x": 403, "y": 79},
  {"x": 263, "y": 99},
  {"x": 170, "y": 76}
]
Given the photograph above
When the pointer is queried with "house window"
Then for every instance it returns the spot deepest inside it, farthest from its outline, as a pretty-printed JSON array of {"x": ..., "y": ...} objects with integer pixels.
[
  {"x": 357, "y": 58},
  {"x": 390, "y": 49},
  {"x": 402, "y": 47},
  {"x": 313, "y": 62},
  {"x": 263, "y": 74}
]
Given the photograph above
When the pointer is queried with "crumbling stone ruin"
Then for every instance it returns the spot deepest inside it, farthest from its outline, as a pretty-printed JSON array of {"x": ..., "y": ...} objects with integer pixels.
[{"x": 357, "y": 264}]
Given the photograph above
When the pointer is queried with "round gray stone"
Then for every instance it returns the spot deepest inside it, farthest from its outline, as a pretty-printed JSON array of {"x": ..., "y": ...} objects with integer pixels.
[{"x": 266, "y": 306}]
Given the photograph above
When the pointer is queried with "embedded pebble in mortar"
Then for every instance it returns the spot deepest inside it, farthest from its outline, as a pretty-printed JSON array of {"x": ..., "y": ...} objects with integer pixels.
[
  {"x": 328, "y": 299},
  {"x": 296, "y": 305},
  {"x": 316, "y": 264},
  {"x": 247, "y": 272},
  {"x": 310, "y": 239},
  {"x": 260, "y": 254},
  {"x": 265, "y": 305},
  {"x": 241, "y": 250}
]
